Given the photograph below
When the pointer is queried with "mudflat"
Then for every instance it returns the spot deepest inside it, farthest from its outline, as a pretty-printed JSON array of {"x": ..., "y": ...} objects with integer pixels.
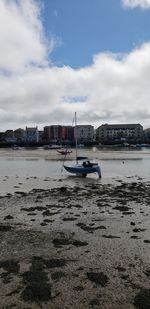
[{"x": 85, "y": 246}]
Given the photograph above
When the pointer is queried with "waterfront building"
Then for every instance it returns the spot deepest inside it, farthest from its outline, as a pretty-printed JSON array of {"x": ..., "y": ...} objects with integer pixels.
[
  {"x": 41, "y": 136},
  {"x": 85, "y": 133},
  {"x": 32, "y": 134},
  {"x": 119, "y": 133},
  {"x": 58, "y": 133},
  {"x": 67, "y": 134},
  {"x": 147, "y": 135},
  {"x": 52, "y": 133},
  {"x": 47, "y": 133}
]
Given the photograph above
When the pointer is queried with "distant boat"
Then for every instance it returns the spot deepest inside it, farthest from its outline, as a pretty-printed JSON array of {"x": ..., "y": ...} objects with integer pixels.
[
  {"x": 84, "y": 168},
  {"x": 81, "y": 145},
  {"x": 126, "y": 144},
  {"x": 64, "y": 152},
  {"x": 16, "y": 147},
  {"x": 52, "y": 147}
]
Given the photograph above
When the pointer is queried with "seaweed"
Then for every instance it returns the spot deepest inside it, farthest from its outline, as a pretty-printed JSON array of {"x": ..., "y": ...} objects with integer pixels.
[
  {"x": 142, "y": 299},
  {"x": 37, "y": 287},
  {"x": 99, "y": 278}
]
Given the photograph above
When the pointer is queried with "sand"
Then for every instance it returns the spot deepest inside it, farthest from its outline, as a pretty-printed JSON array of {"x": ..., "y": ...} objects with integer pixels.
[{"x": 85, "y": 246}]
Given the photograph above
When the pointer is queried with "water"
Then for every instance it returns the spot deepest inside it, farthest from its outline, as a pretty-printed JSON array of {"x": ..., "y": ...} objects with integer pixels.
[
  {"x": 25, "y": 169},
  {"x": 29, "y": 167}
]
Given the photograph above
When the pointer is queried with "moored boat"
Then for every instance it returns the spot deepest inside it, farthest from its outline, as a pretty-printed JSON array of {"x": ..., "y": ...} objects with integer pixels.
[
  {"x": 52, "y": 147},
  {"x": 64, "y": 152},
  {"x": 16, "y": 147},
  {"x": 84, "y": 168}
]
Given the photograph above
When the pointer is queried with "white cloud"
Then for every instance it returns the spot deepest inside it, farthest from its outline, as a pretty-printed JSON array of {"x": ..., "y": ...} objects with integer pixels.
[
  {"x": 144, "y": 4},
  {"x": 22, "y": 40},
  {"x": 114, "y": 88}
]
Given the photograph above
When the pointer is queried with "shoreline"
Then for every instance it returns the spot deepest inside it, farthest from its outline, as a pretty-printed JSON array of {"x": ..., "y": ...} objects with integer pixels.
[
  {"x": 87, "y": 244},
  {"x": 27, "y": 169}
]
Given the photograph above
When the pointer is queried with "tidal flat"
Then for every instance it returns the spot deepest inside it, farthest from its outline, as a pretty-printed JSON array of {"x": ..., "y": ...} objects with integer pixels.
[{"x": 81, "y": 246}]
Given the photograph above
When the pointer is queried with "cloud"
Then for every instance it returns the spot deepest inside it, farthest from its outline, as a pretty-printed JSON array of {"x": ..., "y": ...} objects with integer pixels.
[
  {"x": 113, "y": 89},
  {"x": 144, "y": 4},
  {"x": 22, "y": 38}
]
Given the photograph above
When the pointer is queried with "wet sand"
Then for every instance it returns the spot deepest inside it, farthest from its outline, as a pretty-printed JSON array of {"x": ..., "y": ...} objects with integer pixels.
[{"x": 80, "y": 246}]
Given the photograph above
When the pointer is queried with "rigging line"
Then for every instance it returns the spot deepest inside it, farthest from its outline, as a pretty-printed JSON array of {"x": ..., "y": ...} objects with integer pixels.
[
  {"x": 63, "y": 163},
  {"x": 76, "y": 142},
  {"x": 66, "y": 150}
]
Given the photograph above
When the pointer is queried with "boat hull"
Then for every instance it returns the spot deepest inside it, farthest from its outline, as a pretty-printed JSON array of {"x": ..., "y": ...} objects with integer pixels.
[
  {"x": 52, "y": 147},
  {"x": 80, "y": 170},
  {"x": 63, "y": 152}
]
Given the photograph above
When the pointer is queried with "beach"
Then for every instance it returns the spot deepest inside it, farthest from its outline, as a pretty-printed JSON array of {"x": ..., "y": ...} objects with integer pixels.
[
  {"x": 73, "y": 242},
  {"x": 76, "y": 246}
]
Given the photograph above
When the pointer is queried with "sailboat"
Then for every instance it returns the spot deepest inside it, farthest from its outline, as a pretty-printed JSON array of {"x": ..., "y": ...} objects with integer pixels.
[{"x": 86, "y": 167}]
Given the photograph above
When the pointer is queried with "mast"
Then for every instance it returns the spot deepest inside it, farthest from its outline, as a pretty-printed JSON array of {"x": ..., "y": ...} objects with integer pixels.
[{"x": 76, "y": 135}]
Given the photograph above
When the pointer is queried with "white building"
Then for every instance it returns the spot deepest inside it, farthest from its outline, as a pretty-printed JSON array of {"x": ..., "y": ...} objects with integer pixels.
[
  {"x": 85, "y": 133},
  {"x": 108, "y": 133}
]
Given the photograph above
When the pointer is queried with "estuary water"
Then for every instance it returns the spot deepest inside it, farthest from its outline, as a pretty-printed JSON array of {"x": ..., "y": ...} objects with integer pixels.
[{"x": 38, "y": 168}]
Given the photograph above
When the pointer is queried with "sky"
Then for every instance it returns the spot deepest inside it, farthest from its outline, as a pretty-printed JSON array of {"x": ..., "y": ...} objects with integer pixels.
[{"x": 58, "y": 57}]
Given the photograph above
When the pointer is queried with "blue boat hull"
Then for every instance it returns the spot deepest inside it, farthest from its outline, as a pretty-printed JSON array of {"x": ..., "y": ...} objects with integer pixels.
[{"x": 80, "y": 170}]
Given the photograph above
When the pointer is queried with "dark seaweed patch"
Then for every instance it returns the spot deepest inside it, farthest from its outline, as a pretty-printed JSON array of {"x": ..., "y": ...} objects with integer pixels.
[
  {"x": 48, "y": 220},
  {"x": 52, "y": 263},
  {"x": 28, "y": 209},
  {"x": 9, "y": 217},
  {"x": 99, "y": 278},
  {"x": 48, "y": 213},
  {"x": 5, "y": 228},
  {"x": 11, "y": 266},
  {"x": 21, "y": 193},
  {"x": 121, "y": 208},
  {"x": 147, "y": 272},
  {"x": 90, "y": 229},
  {"x": 136, "y": 230},
  {"x": 120, "y": 269},
  {"x": 110, "y": 236},
  {"x": 38, "y": 289},
  {"x": 79, "y": 288},
  {"x": 94, "y": 302},
  {"x": 128, "y": 212},
  {"x": 79, "y": 243},
  {"x": 147, "y": 241},
  {"x": 58, "y": 275},
  {"x": 69, "y": 219},
  {"x": 37, "y": 292},
  {"x": 43, "y": 224},
  {"x": 58, "y": 242},
  {"x": 132, "y": 223},
  {"x": 142, "y": 299}
]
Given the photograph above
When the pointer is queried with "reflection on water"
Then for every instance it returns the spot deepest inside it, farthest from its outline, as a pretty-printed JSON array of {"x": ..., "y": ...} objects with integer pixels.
[{"x": 38, "y": 168}]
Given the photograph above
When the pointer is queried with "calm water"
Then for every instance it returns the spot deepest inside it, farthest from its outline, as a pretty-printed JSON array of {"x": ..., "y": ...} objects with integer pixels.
[{"x": 25, "y": 169}]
